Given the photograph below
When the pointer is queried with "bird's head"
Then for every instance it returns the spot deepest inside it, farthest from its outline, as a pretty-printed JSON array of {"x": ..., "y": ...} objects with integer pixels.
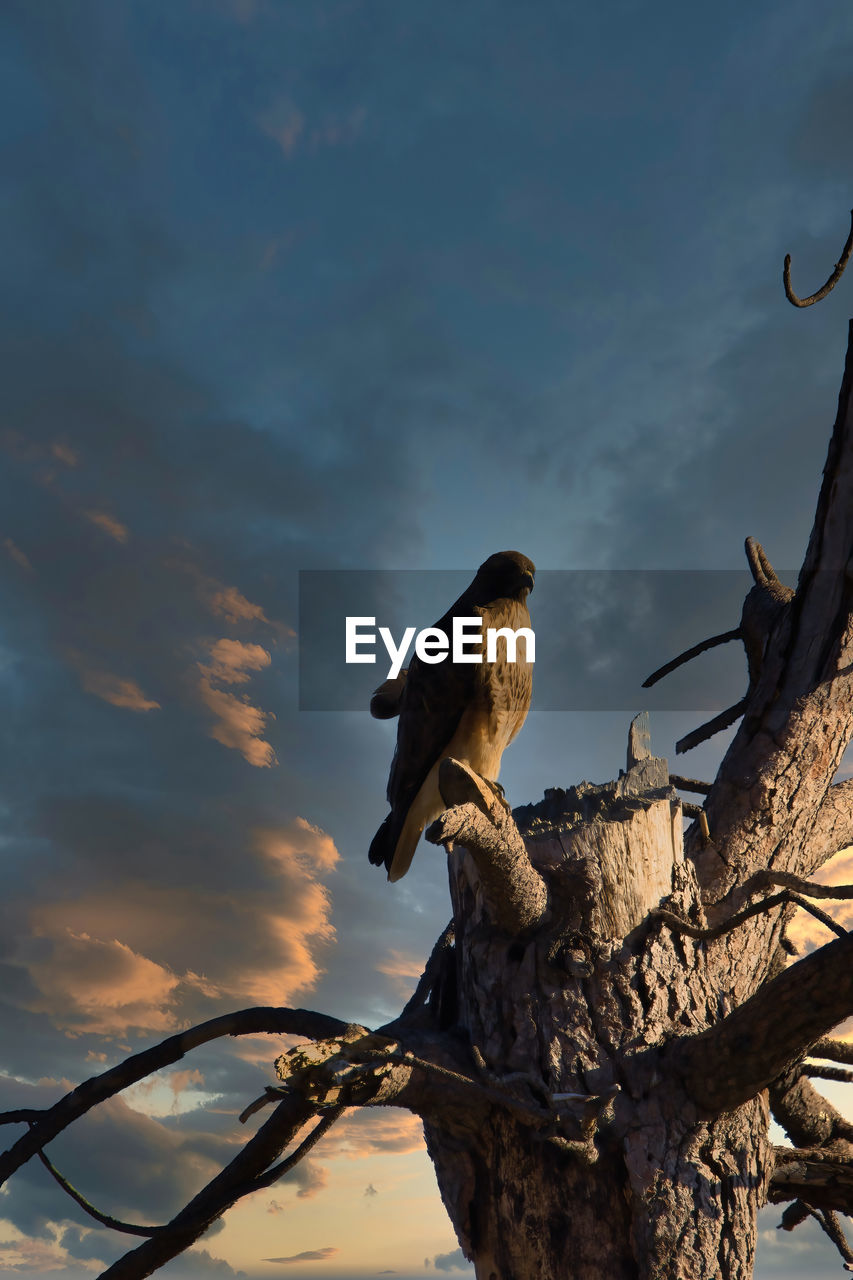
[{"x": 506, "y": 573}]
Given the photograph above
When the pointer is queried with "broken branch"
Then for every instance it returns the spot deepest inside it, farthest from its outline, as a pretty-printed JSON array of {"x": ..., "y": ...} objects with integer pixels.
[
  {"x": 513, "y": 889},
  {"x": 831, "y": 282}
]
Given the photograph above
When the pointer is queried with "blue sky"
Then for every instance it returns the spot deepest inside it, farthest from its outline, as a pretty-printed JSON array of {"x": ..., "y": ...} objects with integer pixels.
[{"x": 341, "y": 285}]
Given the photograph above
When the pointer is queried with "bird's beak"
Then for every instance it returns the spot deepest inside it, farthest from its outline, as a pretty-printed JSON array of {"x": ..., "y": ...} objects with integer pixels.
[{"x": 528, "y": 581}]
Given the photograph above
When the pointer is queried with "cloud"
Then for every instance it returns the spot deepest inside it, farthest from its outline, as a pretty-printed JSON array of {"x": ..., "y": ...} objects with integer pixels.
[
  {"x": 231, "y": 661},
  {"x": 365, "y": 1133},
  {"x": 238, "y": 724},
  {"x": 87, "y": 984},
  {"x": 117, "y": 691},
  {"x": 403, "y": 968},
  {"x": 300, "y": 845},
  {"x": 40, "y": 1256},
  {"x": 15, "y": 553},
  {"x": 233, "y": 605},
  {"x": 370, "y": 1190},
  {"x": 310, "y": 1178},
  {"x": 110, "y": 525},
  {"x": 308, "y": 1255},
  {"x": 453, "y": 1261},
  {"x": 145, "y": 954}
]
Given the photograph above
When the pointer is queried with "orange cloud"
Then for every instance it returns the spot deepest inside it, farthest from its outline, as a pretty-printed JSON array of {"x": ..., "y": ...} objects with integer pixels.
[
  {"x": 238, "y": 724},
  {"x": 226, "y": 601},
  {"x": 15, "y": 553},
  {"x": 87, "y": 984},
  {"x": 403, "y": 968},
  {"x": 39, "y": 1257},
  {"x": 118, "y": 692},
  {"x": 116, "y": 530},
  {"x": 302, "y": 844},
  {"x": 369, "y": 1132},
  {"x": 307, "y": 1255},
  {"x": 231, "y": 661},
  {"x": 231, "y": 604},
  {"x": 184, "y": 946}
]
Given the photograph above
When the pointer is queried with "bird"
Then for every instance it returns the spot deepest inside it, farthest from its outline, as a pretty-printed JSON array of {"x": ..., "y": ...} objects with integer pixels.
[{"x": 470, "y": 711}]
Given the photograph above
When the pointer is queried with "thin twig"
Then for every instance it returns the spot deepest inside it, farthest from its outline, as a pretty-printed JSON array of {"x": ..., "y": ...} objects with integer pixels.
[
  {"x": 106, "y": 1219},
  {"x": 831, "y": 282},
  {"x": 284, "y": 1166},
  {"x": 427, "y": 978},
  {"x": 830, "y": 1224},
  {"x": 710, "y": 727},
  {"x": 709, "y": 934},
  {"x": 809, "y": 888},
  {"x": 689, "y": 654},
  {"x": 689, "y": 784}
]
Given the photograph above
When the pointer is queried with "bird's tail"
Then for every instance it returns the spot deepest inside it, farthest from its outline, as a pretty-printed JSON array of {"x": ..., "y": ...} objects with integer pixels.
[
  {"x": 381, "y": 852},
  {"x": 395, "y": 842}
]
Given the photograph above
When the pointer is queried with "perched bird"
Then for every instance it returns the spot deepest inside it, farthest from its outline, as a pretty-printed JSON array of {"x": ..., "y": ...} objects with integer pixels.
[{"x": 470, "y": 711}]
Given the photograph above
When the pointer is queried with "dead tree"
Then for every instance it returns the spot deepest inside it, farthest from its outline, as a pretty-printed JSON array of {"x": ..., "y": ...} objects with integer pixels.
[{"x": 603, "y": 1030}]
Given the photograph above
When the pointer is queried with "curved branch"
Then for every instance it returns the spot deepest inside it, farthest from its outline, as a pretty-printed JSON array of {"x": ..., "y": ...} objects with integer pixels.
[
  {"x": 513, "y": 889},
  {"x": 807, "y": 1117},
  {"x": 831, "y": 282},
  {"x": 45, "y": 1125},
  {"x": 733, "y": 1061},
  {"x": 105, "y": 1219}
]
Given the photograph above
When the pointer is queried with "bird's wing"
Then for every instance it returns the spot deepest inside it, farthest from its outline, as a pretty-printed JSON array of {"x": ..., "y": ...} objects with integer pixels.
[{"x": 434, "y": 698}]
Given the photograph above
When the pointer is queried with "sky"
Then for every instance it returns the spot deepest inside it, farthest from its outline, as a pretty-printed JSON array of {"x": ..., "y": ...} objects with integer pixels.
[{"x": 353, "y": 285}]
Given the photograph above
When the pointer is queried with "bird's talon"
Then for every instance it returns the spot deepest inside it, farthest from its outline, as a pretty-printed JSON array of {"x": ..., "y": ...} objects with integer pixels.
[{"x": 500, "y": 794}]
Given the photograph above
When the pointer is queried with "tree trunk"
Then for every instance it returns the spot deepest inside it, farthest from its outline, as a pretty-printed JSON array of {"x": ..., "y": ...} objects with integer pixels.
[{"x": 581, "y": 1006}]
